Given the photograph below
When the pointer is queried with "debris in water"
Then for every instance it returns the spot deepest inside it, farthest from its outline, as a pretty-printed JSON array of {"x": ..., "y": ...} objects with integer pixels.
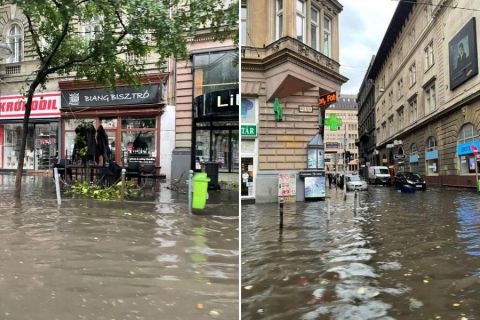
[
  {"x": 199, "y": 306},
  {"x": 249, "y": 287},
  {"x": 415, "y": 303},
  {"x": 213, "y": 313}
]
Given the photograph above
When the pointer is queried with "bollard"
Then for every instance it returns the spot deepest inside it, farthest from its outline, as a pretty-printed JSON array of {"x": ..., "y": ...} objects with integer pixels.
[
  {"x": 122, "y": 190},
  {"x": 190, "y": 190},
  {"x": 328, "y": 210},
  {"x": 355, "y": 203},
  {"x": 57, "y": 186},
  {"x": 281, "y": 213}
]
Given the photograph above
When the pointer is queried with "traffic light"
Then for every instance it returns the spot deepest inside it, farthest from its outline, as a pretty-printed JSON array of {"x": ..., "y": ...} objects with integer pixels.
[{"x": 348, "y": 156}]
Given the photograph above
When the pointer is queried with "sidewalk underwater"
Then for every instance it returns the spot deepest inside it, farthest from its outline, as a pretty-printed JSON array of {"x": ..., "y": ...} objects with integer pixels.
[{"x": 224, "y": 202}]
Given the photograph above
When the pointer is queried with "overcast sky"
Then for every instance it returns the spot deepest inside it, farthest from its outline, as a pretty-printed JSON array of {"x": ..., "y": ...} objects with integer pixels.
[{"x": 362, "y": 26}]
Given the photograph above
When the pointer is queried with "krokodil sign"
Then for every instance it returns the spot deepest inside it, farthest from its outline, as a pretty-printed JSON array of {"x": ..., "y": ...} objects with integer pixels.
[{"x": 44, "y": 105}]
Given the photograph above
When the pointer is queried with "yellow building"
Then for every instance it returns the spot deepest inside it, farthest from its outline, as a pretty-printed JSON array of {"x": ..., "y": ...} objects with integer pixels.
[{"x": 290, "y": 54}]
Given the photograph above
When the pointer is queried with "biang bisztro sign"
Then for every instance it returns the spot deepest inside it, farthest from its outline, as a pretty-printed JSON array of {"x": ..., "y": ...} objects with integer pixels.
[{"x": 44, "y": 105}]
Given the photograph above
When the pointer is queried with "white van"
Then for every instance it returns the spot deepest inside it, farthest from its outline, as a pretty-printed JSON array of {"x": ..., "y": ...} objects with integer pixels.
[{"x": 378, "y": 174}]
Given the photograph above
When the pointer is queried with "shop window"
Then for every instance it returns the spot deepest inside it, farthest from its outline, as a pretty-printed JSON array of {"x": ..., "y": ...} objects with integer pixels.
[
  {"x": 219, "y": 146},
  {"x": 249, "y": 110},
  {"x": 15, "y": 41},
  {"x": 11, "y": 146},
  {"x": 70, "y": 126},
  {"x": 138, "y": 139},
  {"x": 247, "y": 186},
  {"x": 468, "y": 133}
]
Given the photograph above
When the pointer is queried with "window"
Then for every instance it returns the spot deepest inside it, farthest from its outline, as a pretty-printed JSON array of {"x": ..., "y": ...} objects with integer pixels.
[
  {"x": 401, "y": 119},
  {"x": 278, "y": 19},
  {"x": 413, "y": 109},
  {"x": 430, "y": 99},
  {"x": 468, "y": 133},
  {"x": 428, "y": 10},
  {"x": 413, "y": 158},
  {"x": 412, "y": 73},
  {"x": 399, "y": 89},
  {"x": 300, "y": 20},
  {"x": 243, "y": 26},
  {"x": 390, "y": 126},
  {"x": 138, "y": 138},
  {"x": 412, "y": 37},
  {"x": 327, "y": 36},
  {"x": 92, "y": 30},
  {"x": 429, "y": 58},
  {"x": 431, "y": 157},
  {"x": 15, "y": 41},
  {"x": 314, "y": 28}
]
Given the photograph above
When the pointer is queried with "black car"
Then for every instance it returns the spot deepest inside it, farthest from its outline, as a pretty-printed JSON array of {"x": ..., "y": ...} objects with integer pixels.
[{"x": 411, "y": 179}]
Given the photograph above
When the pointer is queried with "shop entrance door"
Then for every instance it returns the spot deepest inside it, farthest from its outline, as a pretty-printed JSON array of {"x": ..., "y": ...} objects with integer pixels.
[
  {"x": 247, "y": 177},
  {"x": 45, "y": 145}
]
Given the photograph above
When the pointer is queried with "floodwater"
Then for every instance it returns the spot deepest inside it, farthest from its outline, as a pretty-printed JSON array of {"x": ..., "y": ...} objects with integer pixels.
[
  {"x": 108, "y": 260},
  {"x": 400, "y": 256}
]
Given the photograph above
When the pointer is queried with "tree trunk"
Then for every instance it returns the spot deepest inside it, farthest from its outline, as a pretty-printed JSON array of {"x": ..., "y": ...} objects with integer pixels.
[{"x": 26, "y": 119}]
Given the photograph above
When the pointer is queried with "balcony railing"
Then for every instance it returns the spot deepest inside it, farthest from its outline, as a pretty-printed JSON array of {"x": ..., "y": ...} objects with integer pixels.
[{"x": 293, "y": 45}]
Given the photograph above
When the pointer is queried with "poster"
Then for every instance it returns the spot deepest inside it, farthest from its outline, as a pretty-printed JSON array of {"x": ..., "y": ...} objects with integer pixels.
[
  {"x": 462, "y": 52},
  {"x": 287, "y": 184},
  {"x": 315, "y": 187}
]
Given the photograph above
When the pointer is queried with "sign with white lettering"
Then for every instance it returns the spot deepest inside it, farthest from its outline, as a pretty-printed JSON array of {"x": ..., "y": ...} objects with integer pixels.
[
  {"x": 249, "y": 130},
  {"x": 44, "y": 105},
  {"x": 217, "y": 103},
  {"x": 145, "y": 94},
  {"x": 305, "y": 109}
]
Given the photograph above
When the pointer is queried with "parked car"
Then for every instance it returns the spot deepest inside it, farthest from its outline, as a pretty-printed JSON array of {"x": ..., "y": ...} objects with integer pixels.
[
  {"x": 355, "y": 182},
  {"x": 411, "y": 179}
]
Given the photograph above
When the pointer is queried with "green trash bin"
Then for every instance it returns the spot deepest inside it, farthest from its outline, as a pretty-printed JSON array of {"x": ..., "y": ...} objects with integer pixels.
[
  {"x": 478, "y": 185},
  {"x": 200, "y": 187}
]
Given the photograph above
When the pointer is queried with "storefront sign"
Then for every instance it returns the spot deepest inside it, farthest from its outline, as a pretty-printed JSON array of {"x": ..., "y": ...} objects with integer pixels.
[
  {"x": 224, "y": 102},
  {"x": 145, "y": 94},
  {"x": 413, "y": 158},
  {"x": 45, "y": 105},
  {"x": 466, "y": 148},
  {"x": 249, "y": 130},
  {"x": 431, "y": 155},
  {"x": 305, "y": 109}
]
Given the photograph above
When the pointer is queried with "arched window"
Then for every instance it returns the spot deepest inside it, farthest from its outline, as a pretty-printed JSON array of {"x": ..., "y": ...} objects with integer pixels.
[
  {"x": 431, "y": 156},
  {"x": 467, "y": 133},
  {"x": 467, "y": 136},
  {"x": 413, "y": 148},
  {"x": 15, "y": 41}
]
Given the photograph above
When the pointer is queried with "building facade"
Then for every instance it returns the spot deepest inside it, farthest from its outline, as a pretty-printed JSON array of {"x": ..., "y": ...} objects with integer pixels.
[
  {"x": 207, "y": 106},
  {"x": 427, "y": 97},
  {"x": 343, "y": 137},
  {"x": 367, "y": 152},
  {"x": 290, "y": 54}
]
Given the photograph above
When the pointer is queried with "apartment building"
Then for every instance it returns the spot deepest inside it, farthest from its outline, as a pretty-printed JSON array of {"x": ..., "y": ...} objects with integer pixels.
[
  {"x": 290, "y": 57},
  {"x": 427, "y": 92},
  {"x": 344, "y": 138}
]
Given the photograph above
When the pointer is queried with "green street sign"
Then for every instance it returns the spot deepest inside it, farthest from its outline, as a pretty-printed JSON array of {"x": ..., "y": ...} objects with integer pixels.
[
  {"x": 249, "y": 130},
  {"x": 333, "y": 122}
]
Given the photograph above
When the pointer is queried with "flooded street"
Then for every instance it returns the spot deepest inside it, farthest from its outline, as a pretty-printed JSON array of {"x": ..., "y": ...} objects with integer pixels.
[
  {"x": 110, "y": 260},
  {"x": 402, "y": 256}
]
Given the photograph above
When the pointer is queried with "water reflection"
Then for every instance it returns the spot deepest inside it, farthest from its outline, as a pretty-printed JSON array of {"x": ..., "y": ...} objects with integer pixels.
[{"x": 108, "y": 260}]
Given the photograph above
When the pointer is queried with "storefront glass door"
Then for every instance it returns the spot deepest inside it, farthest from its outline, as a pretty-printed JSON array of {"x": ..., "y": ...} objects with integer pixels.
[
  {"x": 45, "y": 145},
  {"x": 247, "y": 178}
]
